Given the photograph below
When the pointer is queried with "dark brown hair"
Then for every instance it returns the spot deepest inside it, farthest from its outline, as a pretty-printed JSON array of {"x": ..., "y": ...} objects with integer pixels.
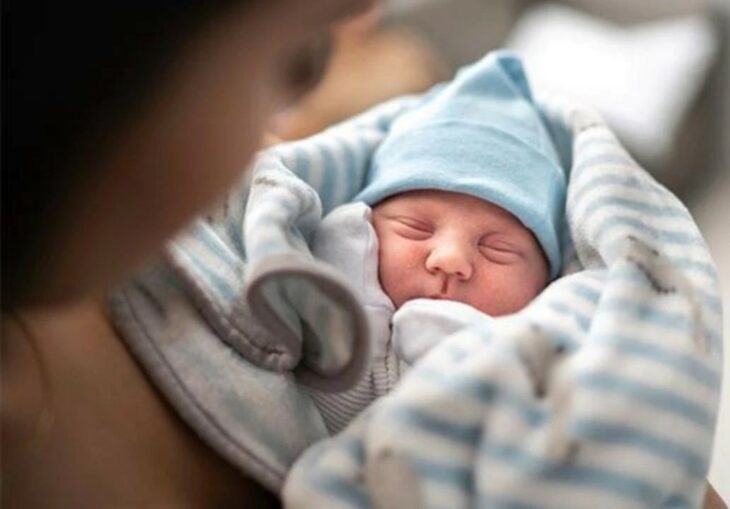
[{"x": 72, "y": 73}]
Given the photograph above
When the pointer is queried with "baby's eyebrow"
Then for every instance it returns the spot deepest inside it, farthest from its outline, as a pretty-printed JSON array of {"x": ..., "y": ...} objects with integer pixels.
[
  {"x": 412, "y": 218},
  {"x": 412, "y": 211},
  {"x": 512, "y": 238}
]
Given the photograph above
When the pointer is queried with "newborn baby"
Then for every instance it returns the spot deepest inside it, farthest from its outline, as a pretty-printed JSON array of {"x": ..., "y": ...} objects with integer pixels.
[
  {"x": 443, "y": 245},
  {"x": 458, "y": 221},
  {"x": 429, "y": 262}
]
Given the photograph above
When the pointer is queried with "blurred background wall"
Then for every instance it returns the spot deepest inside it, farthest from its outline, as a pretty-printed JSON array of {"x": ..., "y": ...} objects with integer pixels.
[{"x": 659, "y": 70}]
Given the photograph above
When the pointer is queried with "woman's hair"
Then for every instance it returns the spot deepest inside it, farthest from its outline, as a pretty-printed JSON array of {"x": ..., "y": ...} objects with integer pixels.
[{"x": 73, "y": 73}]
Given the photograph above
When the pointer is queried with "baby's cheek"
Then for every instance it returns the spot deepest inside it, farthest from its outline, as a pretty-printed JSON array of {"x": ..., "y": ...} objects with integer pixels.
[
  {"x": 506, "y": 291},
  {"x": 408, "y": 256},
  {"x": 525, "y": 288},
  {"x": 399, "y": 265}
]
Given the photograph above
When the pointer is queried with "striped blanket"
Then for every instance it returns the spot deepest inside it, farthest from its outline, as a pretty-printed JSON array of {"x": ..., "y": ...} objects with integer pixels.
[{"x": 603, "y": 392}]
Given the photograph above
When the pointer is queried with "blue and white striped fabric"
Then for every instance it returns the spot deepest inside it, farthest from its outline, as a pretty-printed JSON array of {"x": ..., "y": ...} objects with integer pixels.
[
  {"x": 250, "y": 269},
  {"x": 221, "y": 365},
  {"x": 603, "y": 392}
]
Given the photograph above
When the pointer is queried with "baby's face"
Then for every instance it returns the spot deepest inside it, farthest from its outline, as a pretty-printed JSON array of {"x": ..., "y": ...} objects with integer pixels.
[{"x": 442, "y": 245}]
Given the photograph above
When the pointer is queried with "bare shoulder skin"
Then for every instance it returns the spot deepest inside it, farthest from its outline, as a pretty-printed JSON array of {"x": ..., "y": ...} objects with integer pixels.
[{"x": 82, "y": 427}]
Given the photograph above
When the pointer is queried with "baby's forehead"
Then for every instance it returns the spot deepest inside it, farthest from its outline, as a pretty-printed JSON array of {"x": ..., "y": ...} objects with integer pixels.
[{"x": 455, "y": 208}]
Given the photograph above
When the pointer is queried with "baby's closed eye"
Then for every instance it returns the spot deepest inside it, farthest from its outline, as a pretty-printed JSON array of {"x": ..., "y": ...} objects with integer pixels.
[
  {"x": 500, "y": 252},
  {"x": 412, "y": 228}
]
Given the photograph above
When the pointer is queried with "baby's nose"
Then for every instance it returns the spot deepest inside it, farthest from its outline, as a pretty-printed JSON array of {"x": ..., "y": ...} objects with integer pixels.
[{"x": 451, "y": 260}]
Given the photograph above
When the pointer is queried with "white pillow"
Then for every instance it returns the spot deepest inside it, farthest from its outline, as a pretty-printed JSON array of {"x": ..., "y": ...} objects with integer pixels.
[{"x": 643, "y": 78}]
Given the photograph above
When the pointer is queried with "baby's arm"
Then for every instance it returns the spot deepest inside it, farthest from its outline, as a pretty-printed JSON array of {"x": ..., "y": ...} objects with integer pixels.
[{"x": 421, "y": 323}]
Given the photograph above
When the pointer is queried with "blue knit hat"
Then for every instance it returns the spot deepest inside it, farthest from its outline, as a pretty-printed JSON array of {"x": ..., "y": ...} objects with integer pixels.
[{"x": 482, "y": 135}]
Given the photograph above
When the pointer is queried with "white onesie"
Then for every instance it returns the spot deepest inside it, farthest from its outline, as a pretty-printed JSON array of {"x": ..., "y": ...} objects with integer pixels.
[{"x": 347, "y": 240}]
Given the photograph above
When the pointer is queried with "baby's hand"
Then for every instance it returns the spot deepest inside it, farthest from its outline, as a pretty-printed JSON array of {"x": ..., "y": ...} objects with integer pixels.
[{"x": 421, "y": 323}]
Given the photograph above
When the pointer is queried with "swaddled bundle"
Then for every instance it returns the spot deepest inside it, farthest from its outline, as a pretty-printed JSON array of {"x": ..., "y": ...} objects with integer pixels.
[
  {"x": 466, "y": 198},
  {"x": 602, "y": 391}
]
